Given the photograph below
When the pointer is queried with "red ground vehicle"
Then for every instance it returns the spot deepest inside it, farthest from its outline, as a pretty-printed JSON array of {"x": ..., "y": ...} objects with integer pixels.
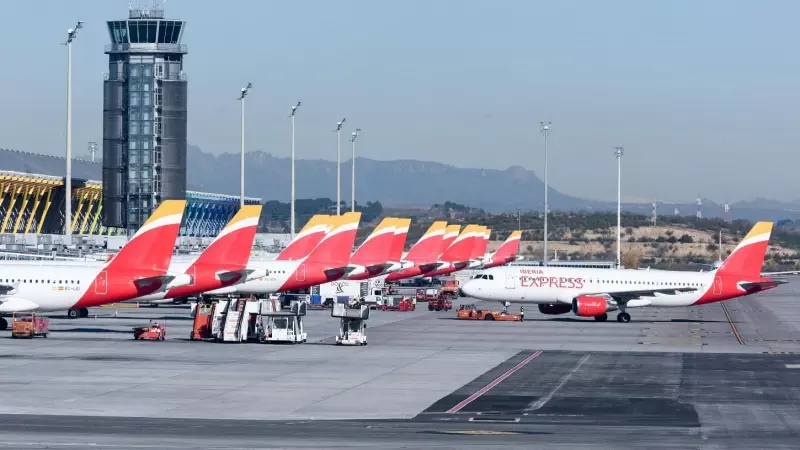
[
  {"x": 154, "y": 332},
  {"x": 28, "y": 325},
  {"x": 439, "y": 304},
  {"x": 398, "y": 304},
  {"x": 421, "y": 295}
]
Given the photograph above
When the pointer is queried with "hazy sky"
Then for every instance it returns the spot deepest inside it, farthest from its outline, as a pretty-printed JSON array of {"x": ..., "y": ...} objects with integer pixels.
[{"x": 703, "y": 94}]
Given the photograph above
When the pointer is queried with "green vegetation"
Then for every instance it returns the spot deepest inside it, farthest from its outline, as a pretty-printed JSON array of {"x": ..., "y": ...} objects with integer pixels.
[{"x": 275, "y": 216}]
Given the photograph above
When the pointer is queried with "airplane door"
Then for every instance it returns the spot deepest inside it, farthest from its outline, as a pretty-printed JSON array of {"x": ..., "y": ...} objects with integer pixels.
[
  {"x": 300, "y": 273},
  {"x": 510, "y": 284},
  {"x": 717, "y": 285},
  {"x": 192, "y": 272},
  {"x": 101, "y": 283}
]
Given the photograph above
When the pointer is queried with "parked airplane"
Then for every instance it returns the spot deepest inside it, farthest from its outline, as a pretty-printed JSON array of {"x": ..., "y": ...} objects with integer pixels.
[
  {"x": 140, "y": 268},
  {"x": 457, "y": 255},
  {"x": 396, "y": 261},
  {"x": 223, "y": 263},
  {"x": 506, "y": 253},
  {"x": 312, "y": 233},
  {"x": 328, "y": 261},
  {"x": 476, "y": 259},
  {"x": 595, "y": 292},
  {"x": 421, "y": 258},
  {"x": 371, "y": 257},
  {"x": 384, "y": 252}
]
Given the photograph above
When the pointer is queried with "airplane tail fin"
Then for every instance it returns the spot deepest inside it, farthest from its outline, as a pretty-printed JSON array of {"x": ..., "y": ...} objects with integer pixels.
[
  {"x": 151, "y": 248},
  {"x": 481, "y": 243},
  {"x": 334, "y": 249},
  {"x": 461, "y": 248},
  {"x": 428, "y": 247},
  {"x": 376, "y": 247},
  {"x": 233, "y": 245},
  {"x": 450, "y": 235},
  {"x": 508, "y": 249},
  {"x": 747, "y": 258},
  {"x": 307, "y": 238},
  {"x": 399, "y": 242}
]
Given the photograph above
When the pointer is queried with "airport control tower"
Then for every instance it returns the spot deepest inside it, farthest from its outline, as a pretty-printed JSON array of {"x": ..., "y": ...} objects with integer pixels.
[{"x": 144, "y": 117}]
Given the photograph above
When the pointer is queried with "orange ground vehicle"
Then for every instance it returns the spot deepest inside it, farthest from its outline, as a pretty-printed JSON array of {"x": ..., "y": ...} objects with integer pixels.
[
  {"x": 28, "y": 325},
  {"x": 470, "y": 312},
  {"x": 450, "y": 288}
]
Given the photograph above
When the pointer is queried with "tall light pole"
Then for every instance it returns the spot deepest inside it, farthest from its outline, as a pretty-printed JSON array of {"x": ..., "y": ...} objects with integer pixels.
[
  {"x": 339, "y": 165},
  {"x": 546, "y": 132},
  {"x": 241, "y": 186},
  {"x": 353, "y": 172},
  {"x": 292, "y": 114},
  {"x": 519, "y": 219},
  {"x": 71, "y": 34},
  {"x": 618, "y": 152}
]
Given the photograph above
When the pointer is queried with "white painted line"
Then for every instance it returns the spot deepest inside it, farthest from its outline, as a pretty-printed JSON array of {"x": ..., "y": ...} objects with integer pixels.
[
  {"x": 542, "y": 401},
  {"x": 494, "y": 383},
  {"x": 793, "y": 366}
]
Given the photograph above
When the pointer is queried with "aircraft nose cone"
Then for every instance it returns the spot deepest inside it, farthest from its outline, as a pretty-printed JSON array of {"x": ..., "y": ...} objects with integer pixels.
[{"x": 470, "y": 290}]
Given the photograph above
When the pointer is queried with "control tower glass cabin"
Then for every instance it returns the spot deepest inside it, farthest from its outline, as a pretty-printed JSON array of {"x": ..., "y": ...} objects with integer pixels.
[{"x": 144, "y": 117}]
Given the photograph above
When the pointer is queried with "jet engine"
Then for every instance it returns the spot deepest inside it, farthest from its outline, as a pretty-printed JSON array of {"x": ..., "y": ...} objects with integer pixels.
[
  {"x": 555, "y": 308},
  {"x": 588, "y": 306}
]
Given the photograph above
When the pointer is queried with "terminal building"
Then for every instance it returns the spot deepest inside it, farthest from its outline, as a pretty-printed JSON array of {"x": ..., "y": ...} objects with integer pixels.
[
  {"x": 32, "y": 198},
  {"x": 144, "y": 117}
]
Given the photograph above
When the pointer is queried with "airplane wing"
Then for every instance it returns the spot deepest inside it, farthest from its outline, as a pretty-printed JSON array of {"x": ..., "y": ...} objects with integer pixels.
[{"x": 638, "y": 293}]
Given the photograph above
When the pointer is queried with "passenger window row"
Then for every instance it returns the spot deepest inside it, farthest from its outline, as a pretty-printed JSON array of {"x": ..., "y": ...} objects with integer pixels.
[{"x": 12, "y": 280}]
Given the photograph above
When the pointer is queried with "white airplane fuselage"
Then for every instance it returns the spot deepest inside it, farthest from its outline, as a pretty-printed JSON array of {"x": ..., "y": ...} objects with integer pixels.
[{"x": 546, "y": 285}]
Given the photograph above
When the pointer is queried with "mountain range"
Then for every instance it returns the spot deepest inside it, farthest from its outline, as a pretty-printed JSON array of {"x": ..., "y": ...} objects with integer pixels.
[
  {"x": 419, "y": 184},
  {"x": 407, "y": 184}
]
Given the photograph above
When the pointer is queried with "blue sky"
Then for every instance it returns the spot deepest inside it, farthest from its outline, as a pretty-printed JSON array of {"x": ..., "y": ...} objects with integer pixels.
[{"x": 703, "y": 95}]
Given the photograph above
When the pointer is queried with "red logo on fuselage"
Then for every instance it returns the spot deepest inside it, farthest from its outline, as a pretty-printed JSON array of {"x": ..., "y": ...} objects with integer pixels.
[{"x": 527, "y": 281}]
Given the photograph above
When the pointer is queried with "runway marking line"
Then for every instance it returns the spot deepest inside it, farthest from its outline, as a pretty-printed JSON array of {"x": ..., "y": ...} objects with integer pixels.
[
  {"x": 491, "y": 385},
  {"x": 542, "y": 401},
  {"x": 793, "y": 366}
]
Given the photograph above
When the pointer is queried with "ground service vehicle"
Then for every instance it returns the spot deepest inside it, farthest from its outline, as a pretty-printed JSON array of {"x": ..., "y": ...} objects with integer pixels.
[
  {"x": 450, "y": 288},
  {"x": 470, "y": 312},
  {"x": 440, "y": 304},
  {"x": 397, "y": 304},
  {"x": 280, "y": 325},
  {"x": 154, "y": 332},
  {"x": 28, "y": 325},
  {"x": 352, "y": 326}
]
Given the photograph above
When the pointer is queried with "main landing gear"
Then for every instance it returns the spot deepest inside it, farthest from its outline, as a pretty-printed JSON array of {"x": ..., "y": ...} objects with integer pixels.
[
  {"x": 601, "y": 318},
  {"x": 623, "y": 317},
  {"x": 78, "y": 312},
  {"x": 3, "y": 324}
]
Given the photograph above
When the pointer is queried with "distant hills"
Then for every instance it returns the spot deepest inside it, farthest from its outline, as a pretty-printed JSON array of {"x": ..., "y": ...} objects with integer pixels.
[
  {"x": 419, "y": 184},
  {"x": 396, "y": 184}
]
